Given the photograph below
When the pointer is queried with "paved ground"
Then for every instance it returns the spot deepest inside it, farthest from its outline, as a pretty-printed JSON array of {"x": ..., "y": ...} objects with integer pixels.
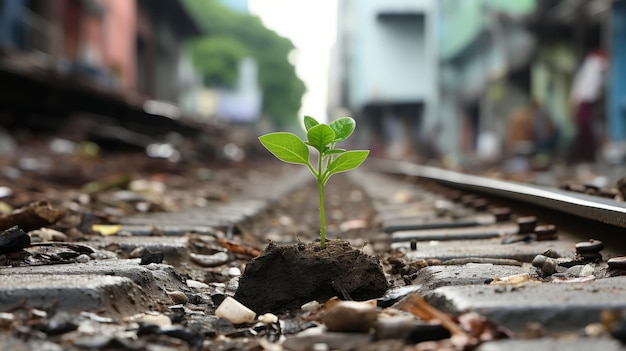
[{"x": 111, "y": 296}]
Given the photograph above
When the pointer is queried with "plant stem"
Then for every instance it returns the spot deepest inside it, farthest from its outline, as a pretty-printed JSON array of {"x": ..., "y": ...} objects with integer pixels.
[{"x": 320, "y": 188}]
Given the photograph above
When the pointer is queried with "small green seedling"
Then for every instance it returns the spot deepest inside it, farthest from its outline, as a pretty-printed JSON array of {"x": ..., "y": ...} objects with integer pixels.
[{"x": 322, "y": 137}]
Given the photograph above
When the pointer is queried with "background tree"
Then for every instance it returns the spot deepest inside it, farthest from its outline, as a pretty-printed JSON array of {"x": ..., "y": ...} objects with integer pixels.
[{"x": 232, "y": 36}]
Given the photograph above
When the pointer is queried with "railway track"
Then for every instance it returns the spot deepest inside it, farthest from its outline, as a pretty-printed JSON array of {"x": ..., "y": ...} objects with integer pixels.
[
  {"x": 458, "y": 239},
  {"x": 528, "y": 266}
]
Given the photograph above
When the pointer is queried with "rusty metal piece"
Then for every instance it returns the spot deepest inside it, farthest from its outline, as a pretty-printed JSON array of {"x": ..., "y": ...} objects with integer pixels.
[
  {"x": 501, "y": 214},
  {"x": 467, "y": 200},
  {"x": 591, "y": 246},
  {"x": 480, "y": 204},
  {"x": 546, "y": 232},
  {"x": 617, "y": 262},
  {"x": 526, "y": 224}
]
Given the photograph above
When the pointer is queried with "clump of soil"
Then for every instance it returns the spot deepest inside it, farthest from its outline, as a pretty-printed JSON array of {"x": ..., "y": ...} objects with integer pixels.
[{"x": 284, "y": 277}]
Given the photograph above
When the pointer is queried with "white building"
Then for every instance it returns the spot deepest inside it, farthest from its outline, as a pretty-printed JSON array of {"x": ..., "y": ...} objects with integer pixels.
[{"x": 384, "y": 72}]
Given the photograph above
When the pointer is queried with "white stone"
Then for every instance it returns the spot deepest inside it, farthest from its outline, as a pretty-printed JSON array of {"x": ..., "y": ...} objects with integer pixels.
[
  {"x": 311, "y": 306},
  {"x": 268, "y": 318},
  {"x": 235, "y": 312},
  {"x": 194, "y": 284}
]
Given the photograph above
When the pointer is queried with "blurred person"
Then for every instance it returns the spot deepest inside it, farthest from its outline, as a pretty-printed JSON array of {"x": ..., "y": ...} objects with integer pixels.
[
  {"x": 520, "y": 132},
  {"x": 586, "y": 96},
  {"x": 544, "y": 131}
]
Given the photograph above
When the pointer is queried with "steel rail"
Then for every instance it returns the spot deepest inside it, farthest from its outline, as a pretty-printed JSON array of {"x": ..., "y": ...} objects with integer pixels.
[{"x": 594, "y": 208}]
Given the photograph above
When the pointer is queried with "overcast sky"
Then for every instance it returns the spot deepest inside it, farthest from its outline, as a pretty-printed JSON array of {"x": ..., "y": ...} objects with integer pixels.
[{"x": 310, "y": 24}]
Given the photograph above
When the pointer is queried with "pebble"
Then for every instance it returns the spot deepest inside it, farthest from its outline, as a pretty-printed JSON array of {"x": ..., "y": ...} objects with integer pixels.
[
  {"x": 350, "y": 316},
  {"x": 178, "y": 297},
  {"x": 311, "y": 306},
  {"x": 214, "y": 260},
  {"x": 235, "y": 312},
  {"x": 397, "y": 327},
  {"x": 549, "y": 267},
  {"x": 194, "y": 284},
  {"x": 539, "y": 260},
  {"x": 160, "y": 320},
  {"x": 6, "y": 319},
  {"x": 83, "y": 258},
  {"x": 268, "y": 318},
  {"x": 13, "y": 239},
  {"x": 137, "y": 252},
  {"x": 47, "y": 234}
]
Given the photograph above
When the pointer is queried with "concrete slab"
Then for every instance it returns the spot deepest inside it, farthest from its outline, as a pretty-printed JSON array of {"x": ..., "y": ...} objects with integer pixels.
[
  {"x": 73, "y": 293},
  {"x": 490, "y": 248},
  {"x": 145, "y": 230},
  {"x": 467, "y": 233},
  {"x": 432, "y": 277},
  {"x": 557, "y": 306},
  {"x": 570, "y": 344},
  {"x": 174, "y": 248},
  {"x": 152, "y": 277}
]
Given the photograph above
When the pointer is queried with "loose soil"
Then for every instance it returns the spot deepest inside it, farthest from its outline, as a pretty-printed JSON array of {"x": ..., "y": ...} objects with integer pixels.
[
  {"x": 294, "y": 270},
  {"x": 284, "y": 277}
]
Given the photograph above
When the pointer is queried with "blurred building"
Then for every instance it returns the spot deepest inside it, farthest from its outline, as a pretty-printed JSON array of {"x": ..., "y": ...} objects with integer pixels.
[
  {"x": 452, "y": 77},
  {"x": 94, "y": 56},
  {"x": 384, "y": 72},
  {"x": 484, "y": 55}
]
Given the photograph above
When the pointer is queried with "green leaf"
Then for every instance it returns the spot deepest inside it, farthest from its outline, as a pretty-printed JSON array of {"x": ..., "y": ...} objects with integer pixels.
[
  {"x": 346, "y": 161},
  {"x": 309, "y": 122},
  {"x": 320, "y": 136},
  {"x": 343, "y": 128},
  {"x": 286, "y": 147},
  {"x": 334, "y": 151}
]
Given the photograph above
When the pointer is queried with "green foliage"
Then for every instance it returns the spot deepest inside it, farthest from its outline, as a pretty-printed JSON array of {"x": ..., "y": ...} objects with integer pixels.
[
  {"x": 322, "y": 137},
  {"x": 232, "y": 36}
]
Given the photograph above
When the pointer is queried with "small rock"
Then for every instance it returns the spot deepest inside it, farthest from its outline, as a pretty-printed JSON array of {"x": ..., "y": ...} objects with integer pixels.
[
  {"x": 235, "y": 312},
  {"x": 151, "y": 257},
  {"x": 350, "y": 316},
  {"x": 268, "y": 318},
  {"x": 397, "y": 327},
  {"x": 214, "y": 260},
  {"x": 83, "y": 258},
  {"x": 311, "y": 306},
  {"x": 47, "y": 234},
  {"x": 194, "y": 284},
  {"x": 234, "y": 271},
  {"x": 13, "y": 239},
  {"x": 539, "y": 260},
  {"x": 178, "y": 297},
  {"x": 137, "y": 252},
  {"x": 6, "y": 319},
  {"x": 586, "y": 271},
  {"x": 160, "y": 320},
  {"x": 549, "y": 267},
  {"x": 60, "y": 323}
]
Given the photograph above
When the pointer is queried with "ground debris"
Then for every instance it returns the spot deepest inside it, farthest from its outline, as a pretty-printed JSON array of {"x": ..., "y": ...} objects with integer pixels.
[{"x": 33, "y": 216}]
